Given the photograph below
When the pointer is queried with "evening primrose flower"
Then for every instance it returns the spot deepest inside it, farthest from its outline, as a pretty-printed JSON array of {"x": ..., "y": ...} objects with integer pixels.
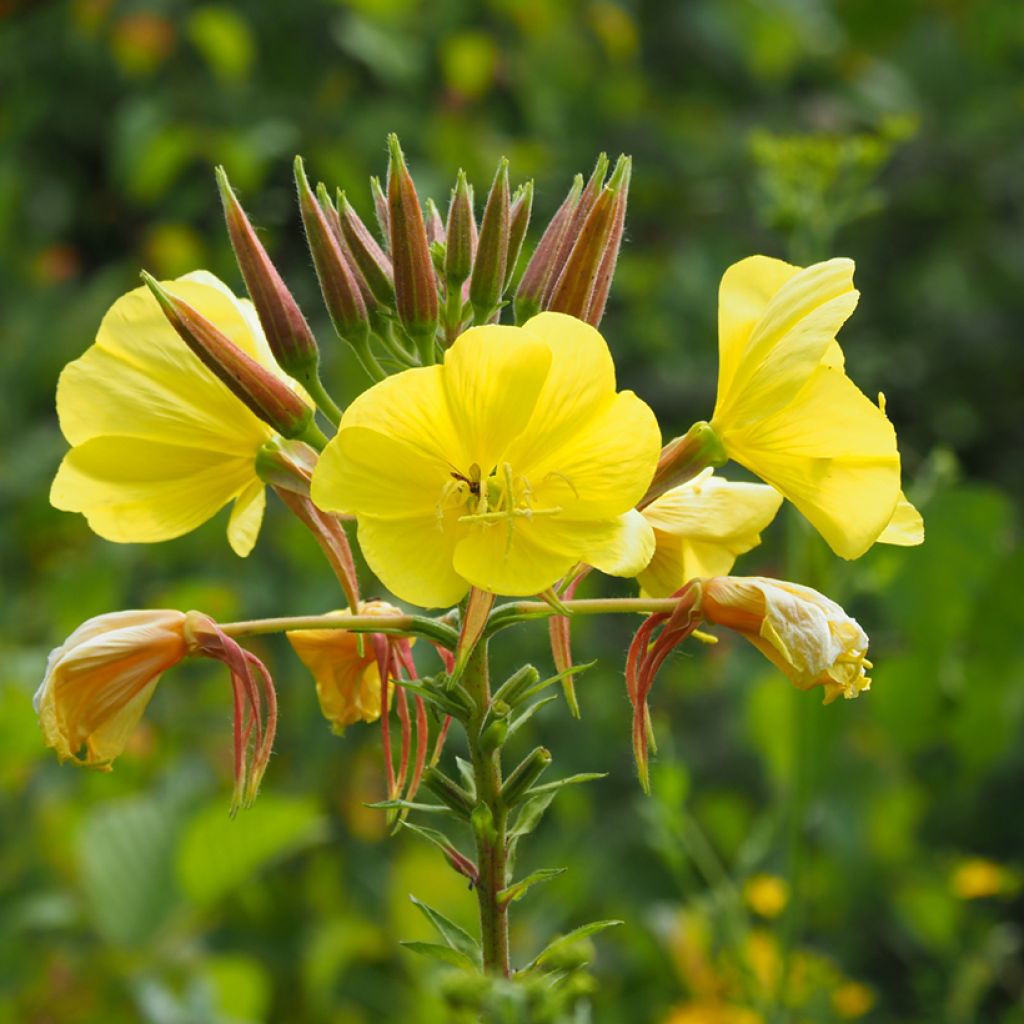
[
  {"x": 346, "y": 671},
  {"x": 159, "y": 444},
  {"x": 502, "y": 468},
  {"x": 786, "y": 409},
  {"x": 803, "y": 633},
  {"x": 702, "y": 526},
  {"x": 99, "y": 681}
]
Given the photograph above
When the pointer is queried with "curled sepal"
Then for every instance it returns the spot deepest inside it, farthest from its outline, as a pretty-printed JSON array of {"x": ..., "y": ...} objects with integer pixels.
[
  {"x": 287, "y": 332},
  {"x": 474, "y": 621},
  {"x": 656, "y": 638},
  {"x": 561, "y": 647},
  {"x": 255, "y": 703}
]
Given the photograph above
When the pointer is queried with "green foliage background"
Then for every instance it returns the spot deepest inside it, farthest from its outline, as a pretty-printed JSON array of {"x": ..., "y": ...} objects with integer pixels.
[{"x": 799, "y": 128}]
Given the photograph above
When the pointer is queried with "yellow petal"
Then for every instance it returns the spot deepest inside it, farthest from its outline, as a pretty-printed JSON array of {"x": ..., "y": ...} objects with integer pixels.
[
  {"x": 413, "y": 558},
  {"x": 246, "y": 518},
  {"x": 788, "y": 342},
  {"x": 661, "y": 576},
  {"x": 618, "y": 547},
  {"x": 493, "y": 376},
  {"x": 604, "y": 468},
  {"x": 906, "y": 528},
  {"x": 832, "y": 452},
  {"x": 133, "y": 490}
]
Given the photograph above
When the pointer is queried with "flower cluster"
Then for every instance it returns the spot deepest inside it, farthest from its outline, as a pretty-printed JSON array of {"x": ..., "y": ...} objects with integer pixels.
[{"x": 485, "y": 458}]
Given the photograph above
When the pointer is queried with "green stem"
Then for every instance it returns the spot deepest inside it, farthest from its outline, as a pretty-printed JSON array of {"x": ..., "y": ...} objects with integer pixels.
[
  {"x": 490, "y": 821},
  {"x": 521, "y": 611},
  {"x": 400, "y": 624},
  {"x": 324, "y": 402}
]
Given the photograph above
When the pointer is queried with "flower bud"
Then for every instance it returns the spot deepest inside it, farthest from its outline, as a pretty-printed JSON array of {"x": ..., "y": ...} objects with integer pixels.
[
  {"x": 524, "y": 775},
  {"x": 334, "y": 223},
  {"x": 381, "y": 209},
  {"x": 589, "y": 196},
  {"x": 263, "y": 392},
  {"x": 367, "y": 255},
  {"x": 285, "y": 327},
  {"x": 606, "y": 269},
  {"x": 574, "y": 289},
  {"x": 461, "y": 235},
  {"x": 435, "y": 226},
  {"x": 488, "y": 280},
  {"x": 803, "y": 633},
  {"x": 512, "y": 690},
  {"x": 683, "y": 458},
  {"x": 449, "y": 792},
  {"x": 415, "y": 283},
  {"x": 340, "y": 291},
  {"x": 540, "y": 270},
  {"x": 519, "y": 221}
]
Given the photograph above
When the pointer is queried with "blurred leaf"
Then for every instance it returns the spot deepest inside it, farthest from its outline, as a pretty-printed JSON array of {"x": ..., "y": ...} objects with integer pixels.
[
  {"x": 241, "y": 988},
  {"x": 446, "y": 954},
  {"x": 218, "y": 853},
  {"x": 222, "y": 36},
  {"x": 456, "y": 937},
  {"x": 563, "y": 942},
  {"x": 517, "y": 890}
]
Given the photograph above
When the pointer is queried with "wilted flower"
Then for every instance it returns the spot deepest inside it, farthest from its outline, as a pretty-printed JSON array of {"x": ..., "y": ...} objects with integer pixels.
[
  {"x": 700, "y": 528},
  {"x": 786, "y": 409},
  {"x": 803, "y": 633},
  {"x": 159, "y": 444},
  {"x": 501, "y": 469}
]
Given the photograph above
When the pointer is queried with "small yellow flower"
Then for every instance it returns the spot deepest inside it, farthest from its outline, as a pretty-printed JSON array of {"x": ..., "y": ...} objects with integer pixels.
[
  {"x": 852, "y": 999},
  {"x": 347, "y": 680},
  {"x": 159, "y": 444},
  {"x": 99, "y": 681},
  {"x": 978, "y": 878},
  {"x": 787, "y": 410},
  {"x": 702, "y": 526},
  {"x": 803, "y": 633},
  {"x": 766, "y": 895},
  {"x": 502, "y": 468}
]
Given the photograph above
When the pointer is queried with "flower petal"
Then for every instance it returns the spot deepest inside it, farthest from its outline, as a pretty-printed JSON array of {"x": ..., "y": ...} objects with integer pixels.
[
  {"x": 832, "y": 452},
  {"x": 133, "y": 490},
  {"x": 412, "y": 557},
  {"x": 618, "y": 547},
  {"x": 906, "y": 528},
  {"x": 493, "y": 376},
  {"x": 246, "y": 518}
]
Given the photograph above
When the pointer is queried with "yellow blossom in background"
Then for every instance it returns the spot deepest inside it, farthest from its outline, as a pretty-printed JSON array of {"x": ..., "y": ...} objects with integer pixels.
[
  {"x": 712, "y": 1013},
  {"x": 702, "y": 526},
  {"x": 502, "y": 468},
  {"x": 99, "y": 681},
  {"x": 852, "y": 999},
  {"x": 978, "y": 878},
  {"x": 766, "y": 895},
  {"x": 159, "y": 444},
  {"x": 344, "y": 667},
  {"x": 803, "y": 633},
  {"x": 787, "y": 410}
]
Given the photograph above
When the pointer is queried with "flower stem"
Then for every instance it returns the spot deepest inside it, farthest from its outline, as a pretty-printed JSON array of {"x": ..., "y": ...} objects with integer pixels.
[
  {"x": 400, "y": 624},
  {"x": 323, "y": 400},
  {"x": 490, "y": 820}
]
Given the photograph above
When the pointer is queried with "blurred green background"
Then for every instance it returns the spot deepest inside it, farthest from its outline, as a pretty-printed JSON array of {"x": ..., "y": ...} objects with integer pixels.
[{"x": 795, "y": 863}]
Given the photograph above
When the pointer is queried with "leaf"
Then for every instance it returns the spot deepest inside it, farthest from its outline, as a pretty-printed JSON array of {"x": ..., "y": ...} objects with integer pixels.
[
  {"x": 456, "y": 859},
  {"x": 218, "y": 853},
  {"x": 438, "y": 699},
  {"x": 445, "y": 954},
  {"x": 559, "y": 944},
  {"x": 530, "y": 813},
  {"x": 468, "y": 776},
  {"x": 572, "y": 780},
  {"x": 572, "y": 670},
  {"x": 527, "y": 713},
  {"x": 456, "y": 937},
  {"x": 517, "y": 890},
  {"x": 407, "y": 805}
]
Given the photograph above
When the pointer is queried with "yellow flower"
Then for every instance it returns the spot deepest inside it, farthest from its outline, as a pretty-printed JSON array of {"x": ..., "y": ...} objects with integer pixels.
[
  {"x": 702, "y": 526},
  {"x": 347, "y": 681},
  {"x": 786, "y": 409},
  {"x": 906, "y": 528},
  {"x": 159, "y": 444},
  {"x": 501, "y": 469},
  {"x": 978, "y": 878},
  {"x": 99, "y": 681},
  {"x": 766, "y": 895},
  {"x": 852, "y": 999},
  {"x": 803, "y": 633}
]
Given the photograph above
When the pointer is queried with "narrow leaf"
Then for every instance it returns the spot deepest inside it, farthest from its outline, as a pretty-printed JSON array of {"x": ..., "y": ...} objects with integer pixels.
[
  {"x": 456, "y": 937},
  {"x": 568, "y": 939},
  {"x": 445, "y": 954},
  {"x": 517, "y": 890},
  {"x": 572, "y": 780}
]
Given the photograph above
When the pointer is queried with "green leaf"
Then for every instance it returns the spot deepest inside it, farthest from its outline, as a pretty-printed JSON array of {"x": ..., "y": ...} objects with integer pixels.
[
  {"x": 572, "y": 780},
  {"x": 530, "y": 813},
  {"x": 218, "y": 853},
  {"x": 527, "y": 713},
  {"x": 438, "y": 699},
  {"x": 517, "y": 890},
  {"x": 467, "y": 773},
  {"x": 406, "y": 805},
  {"x": 445, "y": 954},
  {"x": 457, "y": 938},
  {"x": 572, "y": 670},
  {"x": 563, "y": 941}
]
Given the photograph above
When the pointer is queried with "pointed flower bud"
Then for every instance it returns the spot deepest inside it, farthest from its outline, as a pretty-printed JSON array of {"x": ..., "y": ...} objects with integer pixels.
[
  {"x": 265, "y": 394},
  {"x": 524, "y": 775},
  {"x": 519, "y": 221},
  {"x": 574, "y": 290},
  {"x": 461, "y": 247},
  {"x": 589, "y": 196},
  {"x": 683, "y": 458},
  {"x": 488, "y": 280},
  {"x": 606, "y": 270},
  {"x": 804, "y": 634},
  {"x": 368, "y": 256},
  {"x": 415, "y": 283},
  {"x": 381, "y": 209},
  {"x": 287, "y": 332},
  {"x": 334, "y": 222},
  {"x": 542, "y": 266},
  {"x": 435, "y": 226}
]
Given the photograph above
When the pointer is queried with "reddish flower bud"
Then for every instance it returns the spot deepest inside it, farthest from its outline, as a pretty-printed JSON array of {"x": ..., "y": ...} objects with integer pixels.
[
  {"x": 285, "y": 327},
  {"x": 683, "y": 458},
  {"x": 334, "y": 222},
  {"x": 488, "y": 280},
  {"x": 595, "y": 184},
  {"x": 519, "y": 221},
  {"x": 415, "y": 283},
  {"x": 263, "y": 392},
  {"x": 381, "y": 209},
  {"x": 575, "y": 286},
  {"x": 606, "y": 271},
  {"x": 435, "y": 226},
  {"x": 542, "y": 266}
]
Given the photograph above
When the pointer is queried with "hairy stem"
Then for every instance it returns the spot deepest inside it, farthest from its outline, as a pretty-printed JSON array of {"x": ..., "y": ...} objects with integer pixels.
[
  {"x": 490, "y": 820},
  {"x": 400, "y": 624}
]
